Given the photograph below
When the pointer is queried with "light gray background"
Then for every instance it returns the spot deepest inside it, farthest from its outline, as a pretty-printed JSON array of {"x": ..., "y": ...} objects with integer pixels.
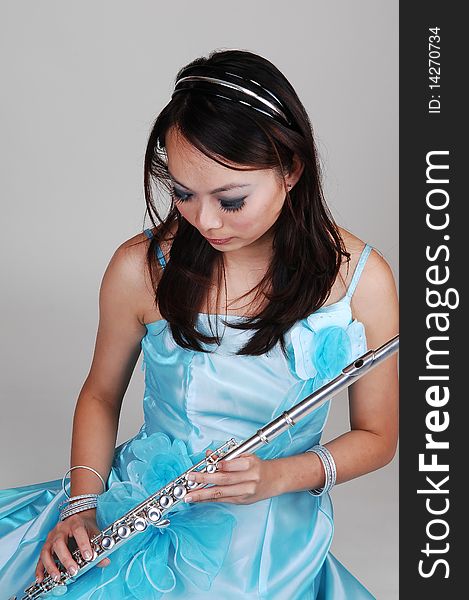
[{"x": 82, "y": 83}]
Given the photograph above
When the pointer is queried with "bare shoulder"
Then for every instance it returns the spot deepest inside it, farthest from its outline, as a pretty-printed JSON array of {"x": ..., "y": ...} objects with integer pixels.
[
  {"x": 375, "y": 300},
  {"x": 129, "y": 270},
  {"x": 377, "y": 271},
  {"x": 129, "y": 260},
  {"x": 133, "y": 251},
  {"x": 127, "y": 276},
  {"x": 354, "y": 245}
]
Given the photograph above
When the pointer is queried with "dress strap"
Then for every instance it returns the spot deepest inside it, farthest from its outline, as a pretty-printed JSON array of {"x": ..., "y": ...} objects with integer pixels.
[
  {"x": 358, "y": 270},
  {"x": 159, "y": 254}
]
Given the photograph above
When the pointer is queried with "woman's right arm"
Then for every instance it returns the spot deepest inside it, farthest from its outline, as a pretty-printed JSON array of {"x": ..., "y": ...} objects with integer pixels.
[{"x": 96, "y": 418}]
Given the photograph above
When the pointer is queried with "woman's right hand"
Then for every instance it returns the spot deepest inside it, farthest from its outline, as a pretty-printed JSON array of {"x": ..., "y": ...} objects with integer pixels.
[{"x": 81, "y": 526}]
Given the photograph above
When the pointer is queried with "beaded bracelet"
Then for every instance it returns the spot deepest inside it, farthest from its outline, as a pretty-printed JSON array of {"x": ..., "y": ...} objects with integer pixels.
[
  {"x": 72, "y": 510},
  {"x": 330, "y": 469},
  {"x": 75, "y": 498},
  {"x": 79, "y": 505}
]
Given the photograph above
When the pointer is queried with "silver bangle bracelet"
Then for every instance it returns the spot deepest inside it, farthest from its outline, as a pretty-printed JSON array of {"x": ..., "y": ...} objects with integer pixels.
[
  {"x": 81, "y": 467},
  {"x": 69, "y": 511},
  {"x": 75, "y": 498},
  {"x": 330, "y": 469},
  {"x": 82, "y": 501},
  {"x": 67, "y": 515},
  {"x": 331, "y": 463}
]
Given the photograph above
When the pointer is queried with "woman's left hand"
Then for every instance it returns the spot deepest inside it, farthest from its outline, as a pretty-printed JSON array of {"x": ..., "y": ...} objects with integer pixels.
[{"x": 243, "y": 480}]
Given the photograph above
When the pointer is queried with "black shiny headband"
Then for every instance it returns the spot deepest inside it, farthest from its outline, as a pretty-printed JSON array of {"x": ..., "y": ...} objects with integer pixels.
[{"x": 272, "y": 108}]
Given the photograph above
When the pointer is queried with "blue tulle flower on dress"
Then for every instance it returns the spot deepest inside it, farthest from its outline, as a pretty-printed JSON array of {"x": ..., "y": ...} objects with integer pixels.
[
  {"x": 316, "y": 351},
  {"x": 194, "y": 544}
]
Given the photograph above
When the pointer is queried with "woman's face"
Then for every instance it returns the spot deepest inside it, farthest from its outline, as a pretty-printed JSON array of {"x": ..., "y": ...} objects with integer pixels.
[{"x": 243, "y": 212}]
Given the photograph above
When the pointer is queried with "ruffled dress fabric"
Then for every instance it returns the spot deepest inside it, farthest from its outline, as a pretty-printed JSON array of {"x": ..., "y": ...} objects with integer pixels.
[{"x": 274, "y": 549}]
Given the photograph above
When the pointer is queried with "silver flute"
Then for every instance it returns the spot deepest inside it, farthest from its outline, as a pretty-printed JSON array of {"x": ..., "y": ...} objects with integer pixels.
[{"x": 154, "y": 509}]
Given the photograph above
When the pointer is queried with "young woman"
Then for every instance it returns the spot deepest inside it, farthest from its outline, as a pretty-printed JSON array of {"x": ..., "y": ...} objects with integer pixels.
[{"x": 244, "y": 299}]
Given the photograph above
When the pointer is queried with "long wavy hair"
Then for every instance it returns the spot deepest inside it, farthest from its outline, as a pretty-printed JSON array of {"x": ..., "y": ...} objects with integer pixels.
[{"x": 308, "y": 249}]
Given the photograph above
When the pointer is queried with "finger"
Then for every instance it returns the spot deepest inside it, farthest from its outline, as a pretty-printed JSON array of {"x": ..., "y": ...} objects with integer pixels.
[
  {"x": 49, "y": 563},
  {"x": 83, "y": 541},
  {"x": 63, "y": 553},
  {"x": 236, "y": 464},
  {"x": 217, "y": 493},
  {"x": 104, "y": 563},
  {"x": 216, "y": 478},
  {"x": 39, "y": 573},
  {"x": 232, "y": 499}
]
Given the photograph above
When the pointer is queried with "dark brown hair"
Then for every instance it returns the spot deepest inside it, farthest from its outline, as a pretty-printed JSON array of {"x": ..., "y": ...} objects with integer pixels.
[{"x": 307, "y": 245}]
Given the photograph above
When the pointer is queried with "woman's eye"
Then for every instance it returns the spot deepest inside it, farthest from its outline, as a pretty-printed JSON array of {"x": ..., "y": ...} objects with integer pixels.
[
  {"x": 232, "y": 206},
  {"x": 180, "y": 196}
]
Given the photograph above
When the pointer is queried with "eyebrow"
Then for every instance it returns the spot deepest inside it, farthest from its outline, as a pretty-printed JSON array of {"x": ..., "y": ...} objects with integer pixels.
[{"x": 224, "y": 188}]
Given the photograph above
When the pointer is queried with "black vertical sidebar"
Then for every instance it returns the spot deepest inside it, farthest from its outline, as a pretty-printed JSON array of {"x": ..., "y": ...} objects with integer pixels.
[{"x": 434, "y": 266}]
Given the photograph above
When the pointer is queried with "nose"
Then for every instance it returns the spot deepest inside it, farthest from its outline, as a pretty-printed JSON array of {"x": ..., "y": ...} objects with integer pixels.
[{"x": 208, "y": 216}]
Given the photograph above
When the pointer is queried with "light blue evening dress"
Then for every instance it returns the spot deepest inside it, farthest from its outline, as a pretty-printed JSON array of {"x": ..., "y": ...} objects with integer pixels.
[{"x": 274, "y": 549}]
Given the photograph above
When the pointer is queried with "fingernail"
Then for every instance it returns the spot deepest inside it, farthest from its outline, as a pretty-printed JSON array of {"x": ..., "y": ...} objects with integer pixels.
[
  {"x": 191, "y": 476},
  {"x": 188, "y": 499},
  {"x": 73, "y": 571},
  {"x": 87, "y": 555},
  {"x": 56, "y": 577}
]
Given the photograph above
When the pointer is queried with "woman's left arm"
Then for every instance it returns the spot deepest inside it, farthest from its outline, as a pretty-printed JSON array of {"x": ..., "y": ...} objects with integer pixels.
[
  {"x": 374, "y": 404},
  {"x": 374, "y": 398}
]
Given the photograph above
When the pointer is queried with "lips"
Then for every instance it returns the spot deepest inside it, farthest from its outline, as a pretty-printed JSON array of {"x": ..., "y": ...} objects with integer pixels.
[{"x": 218, "y": 240}]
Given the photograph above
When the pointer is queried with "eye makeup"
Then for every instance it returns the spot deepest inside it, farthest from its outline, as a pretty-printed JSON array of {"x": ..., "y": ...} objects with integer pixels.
[{"x": 225, "y": 205}]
